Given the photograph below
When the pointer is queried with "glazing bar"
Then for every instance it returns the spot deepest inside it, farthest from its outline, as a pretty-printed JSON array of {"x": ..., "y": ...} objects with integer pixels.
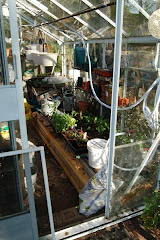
[{"x": 116, "y": 76}]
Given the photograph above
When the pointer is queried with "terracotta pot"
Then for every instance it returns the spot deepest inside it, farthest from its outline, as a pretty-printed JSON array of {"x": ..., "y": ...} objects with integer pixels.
[
  {"x": 123, "y": 101},
  {"x": 126, "y": 101},
  {"x": 83, "y": 106},
  {"x": 86, "y": 86}
]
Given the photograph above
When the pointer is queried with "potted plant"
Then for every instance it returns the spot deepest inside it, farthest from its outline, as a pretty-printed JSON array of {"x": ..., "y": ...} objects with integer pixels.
[
  {"x": 82, "y": 139},
  {"x": 92, "y": 124},
  {"x": 69, "y": 134},
  {"x": 62, "y": 121}
]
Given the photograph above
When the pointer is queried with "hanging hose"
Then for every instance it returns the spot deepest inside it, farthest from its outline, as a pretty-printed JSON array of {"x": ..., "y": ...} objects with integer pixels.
[{"x": 151, "y": 117}]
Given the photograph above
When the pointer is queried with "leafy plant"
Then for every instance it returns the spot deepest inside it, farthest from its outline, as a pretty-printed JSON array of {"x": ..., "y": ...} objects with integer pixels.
[
  {"x": 81, "y": 140},
  {"x": 151, "y": 213},
  {"x": 62, "y": 121},
  {"x": 135, "y": 123},
  {"x": 123, "y": 139},
  {"x": 76, "y": 134},
  {"x": 102, "y": 124},
  {"x": 91, "y": 122},
  {"x": 69, "y": 134},
  {"x": 89, "y": 118}
]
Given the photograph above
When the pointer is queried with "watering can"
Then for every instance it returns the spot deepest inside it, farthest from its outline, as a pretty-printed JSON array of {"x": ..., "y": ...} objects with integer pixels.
[
  {"x": 50, "y": 105},
  {"x": 68, "y": 101}
]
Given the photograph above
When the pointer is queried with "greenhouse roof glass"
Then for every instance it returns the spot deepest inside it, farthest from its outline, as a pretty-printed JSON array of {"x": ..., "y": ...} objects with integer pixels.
[{"x": 93, "y": 19}]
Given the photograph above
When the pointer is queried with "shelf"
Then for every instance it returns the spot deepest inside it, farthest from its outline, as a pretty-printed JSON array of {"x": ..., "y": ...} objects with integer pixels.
[
  {"x": 144, "y": 69},
  {"x": 103, "y": 72}
]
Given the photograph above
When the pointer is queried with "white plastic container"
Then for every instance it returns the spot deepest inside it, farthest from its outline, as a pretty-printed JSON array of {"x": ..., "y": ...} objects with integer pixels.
[
  {"x": 29, "y": 55},
  {"x": 31, "y": 154},
  {"x": 34, "y": 46},
  {"x": 36, "y": 57},
  {"x": 48, "y": 59},
  {"x": 34, "y": 171},
  {"x": 96, "y": 153}
]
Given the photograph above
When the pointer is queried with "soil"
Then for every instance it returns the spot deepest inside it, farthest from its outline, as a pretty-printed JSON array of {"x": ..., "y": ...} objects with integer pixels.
[{"x": 63, "y": 194}]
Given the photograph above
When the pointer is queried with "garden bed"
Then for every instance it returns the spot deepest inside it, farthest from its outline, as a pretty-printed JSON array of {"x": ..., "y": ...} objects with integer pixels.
[
  {"x": 76, "y": 140},
  {"x": 63, "y": 154}
]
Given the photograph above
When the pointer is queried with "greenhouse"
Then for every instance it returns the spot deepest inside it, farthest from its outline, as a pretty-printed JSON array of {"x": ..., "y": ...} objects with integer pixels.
[{"x": 79, "y": 122}]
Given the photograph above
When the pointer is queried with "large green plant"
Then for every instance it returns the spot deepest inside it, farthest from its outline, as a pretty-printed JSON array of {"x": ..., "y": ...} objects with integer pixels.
[
  {"x": 62, "y": 121},
  {"x": 151, "y": 213},
  {"x": 91, "y": 122},
  {"x": 101, "y": 124}
]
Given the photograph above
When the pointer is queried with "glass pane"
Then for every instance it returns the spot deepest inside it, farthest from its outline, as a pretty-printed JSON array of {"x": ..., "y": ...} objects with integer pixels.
[
  {"x": 92, "y": 18},
  {"x": 1, "y": 75},
  {"x": 95, "y": 51},
  {"x": 128, "y": 157},
  {"x": 136, "y": 139},
  {"x": 138, "y": 67},
  {"x": 11, "y": 183},
  {"x": 135, "y": 23},
  {"x": 14, "y": 196},
  {"x": 73, "y": 6}
]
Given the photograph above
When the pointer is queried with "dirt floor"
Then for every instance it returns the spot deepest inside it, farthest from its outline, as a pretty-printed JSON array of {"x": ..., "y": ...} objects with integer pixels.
[
  {"x": 64, "y": 200},
  {"x": 63, "y": 194}
]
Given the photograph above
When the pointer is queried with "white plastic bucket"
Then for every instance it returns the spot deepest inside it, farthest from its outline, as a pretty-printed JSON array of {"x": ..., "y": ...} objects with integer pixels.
[
  {"x": 34, "y": 171},
  {"x": 31, "y": 154},
  {"x": 96, "y": 153}
]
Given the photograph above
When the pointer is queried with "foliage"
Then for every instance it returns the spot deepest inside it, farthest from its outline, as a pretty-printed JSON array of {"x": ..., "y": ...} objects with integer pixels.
[
  {"x": 8, "y": 45},
  {"x": 151, "y": 213},
  {"x": 62, "y": 121},
  {"x": 122, "y": 139},
  {"x": 135, "y": 124},
  {"x": 129, "y": 137},
  {"x": 101, "y": 124},
  {"x": 90, "y": 118},
  {"x": 91, "y": 122},
  {"x": 81, "y": 140},
  {"x": 76, "y": 135},
  {"x": 71, "y": 134}
]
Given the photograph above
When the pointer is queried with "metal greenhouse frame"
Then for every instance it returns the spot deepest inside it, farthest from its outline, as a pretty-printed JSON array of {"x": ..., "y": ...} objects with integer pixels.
[{"x": 30, "y": 12}]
